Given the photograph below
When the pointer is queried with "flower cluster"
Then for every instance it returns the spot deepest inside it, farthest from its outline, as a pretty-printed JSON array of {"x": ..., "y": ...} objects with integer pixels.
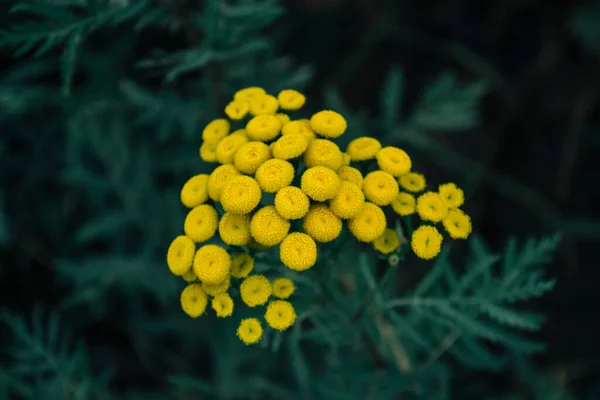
[{"x": 313, "y": 182}]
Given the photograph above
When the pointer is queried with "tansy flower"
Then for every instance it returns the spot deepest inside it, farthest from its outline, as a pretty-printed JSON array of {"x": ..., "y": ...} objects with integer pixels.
[
  {"x": 413, "y": 182},
  {"x": 298, "y": 251},
  {"x": 237, "y": 109},
  {"x": 255, "y": 290},
  {"x": 393, "y": 260},
  {"x": 380, "y": 188},
  {"x": 431, "y": 207},
  {"x": 321, "y": 223},
  {"x": 328, "y": 124},
  {"x": 291, "y": 99},
  {"x": 283, "y": 118},
  {"x": 457, "y": 224},
  {"x": 234, "y": 229},
  {"x": 223, "y": 305},
  {"x": 369, "y": 224},
  {"x": 215, "y": 131},
  {"x": 320, "y": 183},
  {"x": 214, "y": 289},
  {"x": 208, "y": 152},
  {"x": 351, "y": 174},
  {"x": 291, "y": 203},
  {"x": 290, "y": 146},
  {"x": 201, "y": 223},
  {"x": 250, "y": 331},
  {"x": 212, "y": 263},
  {"x": 453, "y": 196},
  {"x": 388, "y": 242},
  {"x": 180, "y": 255},
  {"x": 249, "y": 93},
  {"x": 346, "y": 159},
  {"x": 193, "y": 300},
  {"x": 240, "y": 132},
  {"x": 349, "y": 201},
  {"x": 263, "y": 128},
  {"x": 218, "y": 178},
  {"x": 268, "y": 227},
  {"x": 242, "y": 265},
  {"x": 194, "y": 191},
  {"x": 190, "y": 276},
  {"x": 301, "y": 126},
  {"x": 393, "y": 160},
  {"x": 227, "y": 148},
  {"x": 250, "y": 156},
  {"x": 240, "y": 195},
  {"x": 363, "y": 148},
  {"x": 274, "y": 175},
  {"x": 426, "y": 242},
  {"x": 404, "y": 204},
  {"x": 323, "y": 152},
  {"x": 263, "y": 105},
  {"x": 280, "y": 315},
  {"x": 283, "y": 288}
]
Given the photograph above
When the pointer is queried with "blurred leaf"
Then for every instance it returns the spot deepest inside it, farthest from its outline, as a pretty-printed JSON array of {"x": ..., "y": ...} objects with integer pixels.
[{"x": 391, "y": 98}]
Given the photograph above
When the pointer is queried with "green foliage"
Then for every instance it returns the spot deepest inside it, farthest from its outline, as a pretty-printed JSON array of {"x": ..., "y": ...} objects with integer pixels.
[{"x": 585, "y": 26}]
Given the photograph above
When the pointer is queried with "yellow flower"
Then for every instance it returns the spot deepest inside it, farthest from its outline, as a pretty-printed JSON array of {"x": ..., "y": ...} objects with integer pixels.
[
  {"x": 249, "y": 93},
  {"x": 413, "y": 182},
  {"x": 457, "y": 224},
  {"x": 218, "y": 178},
  {"x": 351, "y": 174},
  {"x": 283, "y": 118},
  {"x": 190, "y": 276},
  {"x": 290, "y": 146},
  {"x": 235, "y": 229},
  {"x": 274, "y": 175},
  {"x": 452, "y": 195},
  {"x": 283, "y": 288},
  {"x": 223, "y": 305},
  {"x": 227, "y": 148},
  {"x": 431, "y": 207},
  {"x": 349, "y": 201},
  {"x": 208, "y": 152},
  {"x": 237, "y": 109},
  {"x": 291, "y": 203},
  {"x": 280, "y": 315},
  {"x": 215, "y": 131},
  {"x": 240, "y": 195},
  {"x": 291, "y": 99},
  {"x": 240, "y": 132},
  {"x": 250, "y": 331},
  {"x": 201, "y": 223},
  {"x": 426, "y": 242},
  {"x": 263, "y": 128},
  {"x": 298, "y": 251},
  {"x": 180, "y": 255},
  {"x": 346, "y": 159},
  {"x": 369, "y": 224},
  {"x": 388, "y": 242},
  {"x": 363, "y": 148},
  {"x": 212, "y": 263},
  {"x": 301, "y": 126},
  {"x": 394, "y": 260},
  {"x": 328, "y": 124},
  {"x": 268, "y": 227},
  {"x": 393, "y": 160},
  {"x": 250, "y": 156},
  {"x": 194, "y": 191},
  {"x": 323, "y": 152},
  {"x": 380, "y": 188},
  {"x": 404, "y": 204},
  {"x": 193, "y": 300},
  {"x": 322, "y": 224},
  {"x": 242, "y": 265},
  {"x": 263, "y": 105},
  {"x": 214, "y": 289},
  {"x": 320, "y": 183},
  {"x": 255, "y": 290}
]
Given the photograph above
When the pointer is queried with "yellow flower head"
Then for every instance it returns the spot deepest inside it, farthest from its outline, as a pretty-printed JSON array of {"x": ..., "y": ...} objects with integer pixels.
[
  {"x": 194, "y": 191},
  {"x": 193, "y": 300},
  {"x": 291, "y": 203},
  {"x": 457, "y": 224},
  {"x": 223, "y": 305},
  {"x": 242, "y": 265},
  {"x": 264, "y": 105},
  {"x": 388, "y": 242},
  {"x": 208, "y": 152},
  {"x": 250, "y": 331},
  {"x": 274, "y": 175},
  {"x": 180, "y": 255},
  {"x": 301, "y": 126},
  {"x": 320, "y": 183},
  {"x": 234, "y": 229},
  {"x": 250, "y": 156},
  {"x": 291, "y": 99},
  {"x": 255, "y": 290},
  {"x": 283, "y": 118},
  {"x": 328, "y": 124},
  {"x": 214, "y": 289},
  {"x": 322, "y": 224},
  {"x": 380, "y": 188},
  {"x": 190, "y": 276},
  {"x": 218, "y": 178},
  {"x": 363, "y": 148},
  {"x": 263, "y": 128},
  {"x": 201, "y": 223},
  {"x": 240, "y": 132},
  {"x": 393, "y": 160},
  {"x": 369, "y": 224},
  {"x": 249, "y": 93},
  {"x": 283, "y": 288},
  {"x": 351, "y": 174},
  {"x": 227, "y": 148},
  {"x": 240, "y": 195},
  {"x": 298, "y": 251},
  {"x": 268, "y": 227},
  {"x": 413, "y": 182},
  {"x": 280, "y": 315},
  {"x": 237, "y": 109},
  {"x": 426, "y": 242},
  {"x": 215, "y": 131},
  {"x": 323, "y": 152},
  {"x": 404, "y": 204},
  {"x": 346, "y": 159},
  {"x": 212, "y": 263},
  {"x": 349, "y": 201},
  {"x": 394, "y": 260},
  {"x": 290, "y": 146},
  {"x": 431, "y": 207},
  {"x": 452, "y": 195}
]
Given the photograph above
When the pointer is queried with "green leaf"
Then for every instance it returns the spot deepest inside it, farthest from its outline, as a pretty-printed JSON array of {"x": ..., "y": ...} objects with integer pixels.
[
  {"x": 391, "y": 98},
  {"x": 110, "y": 223}
]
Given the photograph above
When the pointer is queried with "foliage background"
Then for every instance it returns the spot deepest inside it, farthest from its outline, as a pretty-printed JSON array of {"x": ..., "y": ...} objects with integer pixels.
[{"x": 100, "y": 131}]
